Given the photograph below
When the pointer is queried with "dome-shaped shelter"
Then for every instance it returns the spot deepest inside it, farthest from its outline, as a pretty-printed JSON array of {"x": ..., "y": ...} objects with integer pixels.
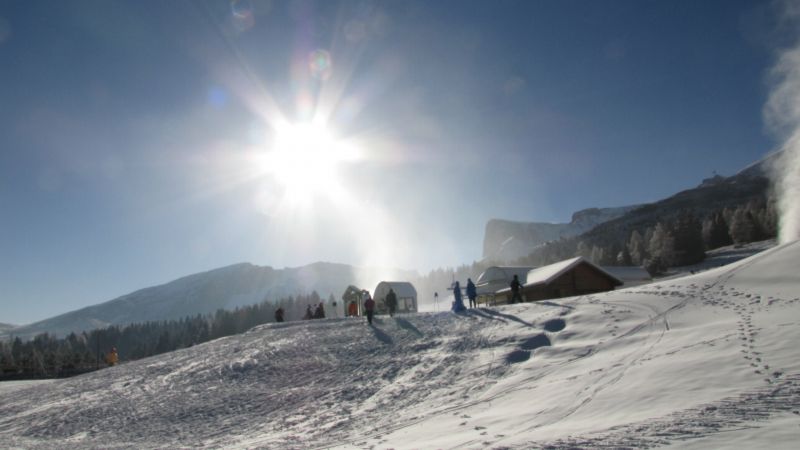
[{"x": 405, "y": 292}]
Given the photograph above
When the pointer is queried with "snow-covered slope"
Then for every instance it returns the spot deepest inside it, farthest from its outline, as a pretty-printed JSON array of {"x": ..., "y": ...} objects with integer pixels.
[
  {"x": 202, "y": 293},
  {"x": 706, "y": 361},
  {"x": 506, "y": 240}
]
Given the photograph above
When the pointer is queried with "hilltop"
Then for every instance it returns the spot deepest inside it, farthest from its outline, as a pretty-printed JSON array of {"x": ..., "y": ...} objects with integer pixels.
[
  {"x": 704, "y": 361},
  {"x": 205, "y": 292}
]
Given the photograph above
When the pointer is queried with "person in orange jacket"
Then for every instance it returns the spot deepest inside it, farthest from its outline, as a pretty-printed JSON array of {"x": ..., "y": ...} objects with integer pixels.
[
  {"x": 352, "y": 309},
  {"x": 112, "y": 357}
]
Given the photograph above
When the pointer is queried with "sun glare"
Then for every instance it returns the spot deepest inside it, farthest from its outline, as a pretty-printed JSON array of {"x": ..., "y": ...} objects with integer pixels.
[{"x": 305, "y": 159}]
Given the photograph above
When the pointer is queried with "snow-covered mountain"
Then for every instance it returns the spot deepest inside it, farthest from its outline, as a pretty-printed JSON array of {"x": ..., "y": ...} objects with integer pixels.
[
  {"x": 227, "y": 287},
  {"x": 5, "y": 327},
  {"x": 704, "y": 361},
  {"x": 506, "y": 240}
]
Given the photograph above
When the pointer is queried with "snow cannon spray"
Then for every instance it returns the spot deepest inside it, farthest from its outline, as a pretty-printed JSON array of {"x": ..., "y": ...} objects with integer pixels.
[{"x": 782, "y": 116}]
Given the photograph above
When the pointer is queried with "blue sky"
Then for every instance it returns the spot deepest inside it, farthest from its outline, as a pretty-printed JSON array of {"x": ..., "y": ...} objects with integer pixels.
[{"x": 130, "y": 132}]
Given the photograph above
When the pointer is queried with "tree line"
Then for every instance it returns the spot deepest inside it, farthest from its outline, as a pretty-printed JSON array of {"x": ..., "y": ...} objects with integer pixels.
[
  {"x": 670, "y": 241},
  {"x": 48, "y": 356}
]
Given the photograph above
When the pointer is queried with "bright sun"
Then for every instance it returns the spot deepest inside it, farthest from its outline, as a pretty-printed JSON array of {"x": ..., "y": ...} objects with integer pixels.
[{"x": 305, "y": 159}]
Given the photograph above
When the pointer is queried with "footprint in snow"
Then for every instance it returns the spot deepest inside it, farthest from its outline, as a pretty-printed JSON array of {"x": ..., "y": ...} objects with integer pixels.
[{"x": 555, "y": 325}]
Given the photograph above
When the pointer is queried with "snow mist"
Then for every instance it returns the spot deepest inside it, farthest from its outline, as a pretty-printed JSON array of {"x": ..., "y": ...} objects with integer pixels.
[{"x": 782, "y": 115}]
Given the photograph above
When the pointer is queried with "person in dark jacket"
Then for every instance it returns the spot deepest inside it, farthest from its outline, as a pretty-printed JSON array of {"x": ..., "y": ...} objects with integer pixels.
[
  {"x": 472, "y": 293},
  {"x": 320, "y": 312},
  {"x": 391, "y": 302},
  {"x": 515, "y": 287},
  {"x": 279, "y": 314},
  {"x": 369, "y": 308},
  {"x": 458, "y": 304}
]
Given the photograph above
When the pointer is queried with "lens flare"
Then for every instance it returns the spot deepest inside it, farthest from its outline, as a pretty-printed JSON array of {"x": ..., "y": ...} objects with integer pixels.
[
  {"x": 242, "y": 14},
  {"x": 319, "y": 62}
]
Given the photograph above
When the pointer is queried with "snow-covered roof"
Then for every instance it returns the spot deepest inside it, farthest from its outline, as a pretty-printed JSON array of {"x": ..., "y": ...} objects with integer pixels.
[
  {"x": 548, "y": 274},
  {"x": 402, "y": 289},
  {"x": 502, "y": 273}
]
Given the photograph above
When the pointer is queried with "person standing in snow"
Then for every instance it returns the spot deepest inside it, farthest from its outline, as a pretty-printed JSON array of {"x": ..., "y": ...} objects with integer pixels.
[
  {"x": 472, "y": 293},
  {"x": 352, "y": 310},
  {"x": 458, "y": 304},
  {"x": 391, "y": 302},
  {"x": 309, "y": 314},
  {"x": 320, "y": 312},
  {"x": 369, "y": 307},
  {"x": 112, "y": 357},
  {"x": 515, "y": 287},
  {"x": 279, "y": 314}
]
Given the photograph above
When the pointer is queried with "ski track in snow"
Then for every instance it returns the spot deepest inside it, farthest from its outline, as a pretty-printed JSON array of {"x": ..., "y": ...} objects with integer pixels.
[{"x": 569, "y": 373}]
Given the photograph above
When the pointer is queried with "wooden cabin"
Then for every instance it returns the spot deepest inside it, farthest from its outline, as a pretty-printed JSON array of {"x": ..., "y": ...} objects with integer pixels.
[
  {"x": 405, "y": 292},
  {"x": 576, "y": 276}
]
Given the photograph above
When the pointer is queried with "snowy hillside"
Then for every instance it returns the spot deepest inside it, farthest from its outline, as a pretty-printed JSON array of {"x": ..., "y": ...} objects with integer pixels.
[
  {"x": 505, "y": 240},
  {"x": 705, "y": 361},
  {"x": 226, "y": 288}
]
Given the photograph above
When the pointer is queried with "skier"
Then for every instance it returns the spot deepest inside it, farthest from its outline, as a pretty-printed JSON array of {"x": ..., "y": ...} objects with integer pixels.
[
  {"x": 472, "y": 293},
  {"x": 458, "y": 304},
  {"x": 309, "y": 314},
  {"x": 369, "y": 307},
  {"x": 279, "y": 314},
  {"x": 112, "y": 357},
  {"x": 515, "y": 286},
  {"x": 391, "y": 302}
]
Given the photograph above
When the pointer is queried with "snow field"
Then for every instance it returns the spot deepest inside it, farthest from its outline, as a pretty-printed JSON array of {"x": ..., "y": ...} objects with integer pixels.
[{"x": 702, "y": 361}]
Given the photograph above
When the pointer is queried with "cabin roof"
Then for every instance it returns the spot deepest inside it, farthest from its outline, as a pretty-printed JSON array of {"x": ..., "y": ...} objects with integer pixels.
[{"x": 547, "y": 274}]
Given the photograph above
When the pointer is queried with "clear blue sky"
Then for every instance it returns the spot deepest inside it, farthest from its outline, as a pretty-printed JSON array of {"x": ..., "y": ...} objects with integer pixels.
[{"x": 130, "y": 132}]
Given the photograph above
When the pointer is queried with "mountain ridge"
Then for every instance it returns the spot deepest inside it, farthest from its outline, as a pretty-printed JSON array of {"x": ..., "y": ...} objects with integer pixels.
[
  {"x": 506, "y": 240},
  {"x": 205, "y": 292}
]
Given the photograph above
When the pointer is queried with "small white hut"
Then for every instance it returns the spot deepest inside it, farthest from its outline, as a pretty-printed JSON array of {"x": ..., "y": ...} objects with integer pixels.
[{"x": 405, "y": 292}]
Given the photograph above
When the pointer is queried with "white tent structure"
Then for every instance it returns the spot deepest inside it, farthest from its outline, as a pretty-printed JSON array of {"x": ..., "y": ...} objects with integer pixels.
[{"x": 405, "y": 292}]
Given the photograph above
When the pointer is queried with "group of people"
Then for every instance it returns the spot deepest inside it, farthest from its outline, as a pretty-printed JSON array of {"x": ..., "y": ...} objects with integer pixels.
[
  {"x": 472, "y": 295},
  {"x": 316, "y": 313}
]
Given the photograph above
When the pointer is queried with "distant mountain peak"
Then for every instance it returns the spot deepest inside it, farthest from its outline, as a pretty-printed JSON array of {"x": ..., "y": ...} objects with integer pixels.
[{"x": 507, "y": 240}]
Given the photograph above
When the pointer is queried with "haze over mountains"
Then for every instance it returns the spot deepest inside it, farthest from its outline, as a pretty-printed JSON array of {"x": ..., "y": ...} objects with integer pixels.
[
  {"x": 506, "y": 240},
  {"x": 245, "y": 284},
  {"x": 202, "y": 293}
]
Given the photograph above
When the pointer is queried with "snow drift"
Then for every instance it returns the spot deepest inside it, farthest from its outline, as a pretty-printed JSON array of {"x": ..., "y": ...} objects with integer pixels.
[{"x": 706, "y": 361}]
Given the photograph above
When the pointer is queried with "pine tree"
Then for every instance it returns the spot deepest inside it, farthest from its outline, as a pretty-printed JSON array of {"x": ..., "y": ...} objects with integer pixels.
[
  {"x": 661, "y": 248},
  {"x": 688, "y": 241},
  {"x": 743, "y": 227},
  {"x": 636, "y": 248},
  {"x": 715, "y": 231}
]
